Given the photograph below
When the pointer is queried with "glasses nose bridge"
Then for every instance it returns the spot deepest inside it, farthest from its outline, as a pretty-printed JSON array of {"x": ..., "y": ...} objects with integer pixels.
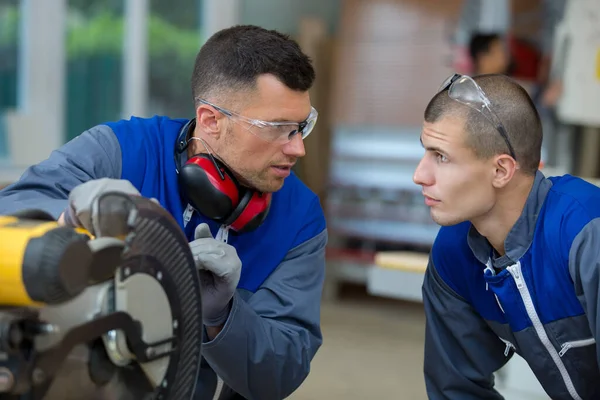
[
  {"x": 296, "y": 131},
  {"x": 302, "y": 126}
]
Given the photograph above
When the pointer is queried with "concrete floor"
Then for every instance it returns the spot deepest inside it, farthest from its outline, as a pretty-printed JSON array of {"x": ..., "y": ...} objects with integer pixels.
[{"x": 372, "y": 349}]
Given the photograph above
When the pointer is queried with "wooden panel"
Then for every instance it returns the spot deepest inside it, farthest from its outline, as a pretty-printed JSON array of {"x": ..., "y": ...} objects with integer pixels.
[
  {"x": 391, "y": 57},
  {"x": 317, "y": 44},
  {"x": 409, "y": 261},
  {"x": 527, "y": 18}
]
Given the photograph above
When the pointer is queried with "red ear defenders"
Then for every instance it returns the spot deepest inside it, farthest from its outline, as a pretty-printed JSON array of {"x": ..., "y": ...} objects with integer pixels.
[{"x": 213, "y": 191}]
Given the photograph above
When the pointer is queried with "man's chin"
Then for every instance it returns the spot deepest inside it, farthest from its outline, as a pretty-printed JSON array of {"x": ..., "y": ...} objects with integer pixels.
[
  {"x": 445, "y": 220},
  {"x": 272, "y": 188},
  {"x": 274, "y": 185}
]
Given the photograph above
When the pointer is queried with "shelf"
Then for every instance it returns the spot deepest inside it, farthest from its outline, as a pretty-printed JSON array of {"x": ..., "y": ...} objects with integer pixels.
[
  {"x": 357, "y": 256},
  {"x": 394, "y": 283},
  {"x": 385, "y": 231},
  {"x": 400, "y": 213},
  {"x": 373, "y": 175},
  {"x": 391, "y": 145}
]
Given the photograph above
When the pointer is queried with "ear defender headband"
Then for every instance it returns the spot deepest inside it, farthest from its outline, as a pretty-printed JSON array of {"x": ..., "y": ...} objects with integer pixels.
[{"x": 211, "y": 188}]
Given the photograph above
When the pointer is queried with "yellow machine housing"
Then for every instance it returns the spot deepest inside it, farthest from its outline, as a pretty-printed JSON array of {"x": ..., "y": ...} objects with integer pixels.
[{"x": 41, "y": 262}]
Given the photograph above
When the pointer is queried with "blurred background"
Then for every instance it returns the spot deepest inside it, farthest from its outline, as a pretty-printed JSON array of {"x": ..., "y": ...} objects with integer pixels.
[{"x": 66, "y": 65}]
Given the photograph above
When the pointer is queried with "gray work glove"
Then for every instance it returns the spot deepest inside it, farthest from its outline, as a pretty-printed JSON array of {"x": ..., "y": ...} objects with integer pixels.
[
  {"x": 82, "y": 197},
  {"x": 219, "y": 268}
]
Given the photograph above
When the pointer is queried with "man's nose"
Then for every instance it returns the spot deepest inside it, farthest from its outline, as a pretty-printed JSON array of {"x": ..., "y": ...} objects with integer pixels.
[
  {"x": 422, "y": 175},
  {"x": 295, "y": 147}
]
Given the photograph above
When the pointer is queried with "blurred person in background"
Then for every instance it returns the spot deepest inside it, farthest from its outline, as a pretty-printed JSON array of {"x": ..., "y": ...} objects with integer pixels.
[
  {"x": 489, "y": 54},
  {"x": 573, "y": 89},
  {"x": 552, "y": 64},
  {"x": 514, "y": 267},
  {"x": 227, "y": 172}
]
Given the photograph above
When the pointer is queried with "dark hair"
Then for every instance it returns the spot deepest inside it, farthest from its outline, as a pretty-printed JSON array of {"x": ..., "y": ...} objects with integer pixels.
[
  {"x": 514, "y": 109},
  {"x": 232, "y": 59},
  {"x": 480, "y": 43}
]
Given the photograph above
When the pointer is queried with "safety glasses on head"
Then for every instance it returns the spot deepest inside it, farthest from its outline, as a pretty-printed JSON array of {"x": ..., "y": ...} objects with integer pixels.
[
  {"x": 465, "y": 90},
  {"x": 273, "y": 132}
]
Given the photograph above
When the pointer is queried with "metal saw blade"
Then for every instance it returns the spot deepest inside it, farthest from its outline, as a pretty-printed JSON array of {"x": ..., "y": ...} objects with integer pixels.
[
  {"x": 159, "y": 287},
  {"x": 159, "y": 257}
]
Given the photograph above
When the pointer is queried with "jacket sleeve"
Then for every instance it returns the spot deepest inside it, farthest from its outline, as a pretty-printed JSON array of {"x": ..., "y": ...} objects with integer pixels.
[
  {"x": 45, "y": 186},
  {"x": 584, "y": 267},
  {"x": 461, "y": 351},
  {"x": 266, "y": 346}
]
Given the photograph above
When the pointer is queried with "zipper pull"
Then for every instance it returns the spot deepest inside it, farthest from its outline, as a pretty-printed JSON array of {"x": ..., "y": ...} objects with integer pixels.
[
  {"x": 223, "y": 233},
  {"x": 565, "y": 347},
  {"x": 518, "y": 277},
  {"x": 489, "y": 270},
  {"x": 187, "y": 215},
  {"x": 507, "y": 349},
  {"x": 509, "y": 345}
]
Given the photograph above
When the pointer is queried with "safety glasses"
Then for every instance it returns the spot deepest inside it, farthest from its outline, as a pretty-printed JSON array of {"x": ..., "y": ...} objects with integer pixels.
[
  {"x": 465, "y": 90},
  {"x": 273, "y": 132}
]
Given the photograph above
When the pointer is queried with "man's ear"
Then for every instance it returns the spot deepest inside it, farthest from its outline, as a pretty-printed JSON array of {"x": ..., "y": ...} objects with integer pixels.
[
  {"x": 505, "y": 168},
  {"x": 208, "y": 120}
]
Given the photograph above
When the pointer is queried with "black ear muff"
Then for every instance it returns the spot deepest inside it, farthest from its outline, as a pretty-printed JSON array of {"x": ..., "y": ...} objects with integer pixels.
[{"x": 213, "y": 193}]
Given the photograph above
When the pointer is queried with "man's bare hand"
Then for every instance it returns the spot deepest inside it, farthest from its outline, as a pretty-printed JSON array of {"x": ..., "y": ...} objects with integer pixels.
[{"x": 552, "y": 93}]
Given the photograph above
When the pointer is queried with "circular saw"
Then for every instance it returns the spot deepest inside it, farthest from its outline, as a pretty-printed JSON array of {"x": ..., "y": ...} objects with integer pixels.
[{"x": 109, "y": 313}]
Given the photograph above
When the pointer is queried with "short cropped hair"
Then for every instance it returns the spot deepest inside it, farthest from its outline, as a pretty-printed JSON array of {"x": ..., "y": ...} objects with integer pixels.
[
  {"x": 514, "y": 109},
  {"x": 232, "y": 59}
]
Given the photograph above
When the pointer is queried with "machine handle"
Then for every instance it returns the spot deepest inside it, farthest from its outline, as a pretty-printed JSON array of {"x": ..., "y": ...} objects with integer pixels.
[{"x": 57, "y": 265}]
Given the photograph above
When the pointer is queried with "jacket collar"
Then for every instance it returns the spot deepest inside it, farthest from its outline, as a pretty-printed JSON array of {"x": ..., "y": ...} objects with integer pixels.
[{"x": 521, "y": 234}]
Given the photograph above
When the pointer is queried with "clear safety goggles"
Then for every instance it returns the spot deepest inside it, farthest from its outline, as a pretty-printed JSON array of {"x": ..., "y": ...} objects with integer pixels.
[
  {"x": 465, "y": 90},
  {"x": 273, "y": 132}
]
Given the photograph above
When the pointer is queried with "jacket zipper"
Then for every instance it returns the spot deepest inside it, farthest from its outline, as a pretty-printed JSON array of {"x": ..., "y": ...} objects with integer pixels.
[
  {"x": 509, "y": 345},
  {"x": 515, "y": 271},
  {"x": 576, "y": 343}
]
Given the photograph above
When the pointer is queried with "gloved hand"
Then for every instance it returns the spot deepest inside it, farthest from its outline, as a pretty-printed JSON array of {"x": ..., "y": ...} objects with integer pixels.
[
  {"x": 219, "y": 268},
  {"x": 81, "y": 199}
]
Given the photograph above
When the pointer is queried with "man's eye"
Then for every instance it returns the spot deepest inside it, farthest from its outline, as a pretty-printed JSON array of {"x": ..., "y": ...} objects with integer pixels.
[{"x": 441, "y": 158}]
